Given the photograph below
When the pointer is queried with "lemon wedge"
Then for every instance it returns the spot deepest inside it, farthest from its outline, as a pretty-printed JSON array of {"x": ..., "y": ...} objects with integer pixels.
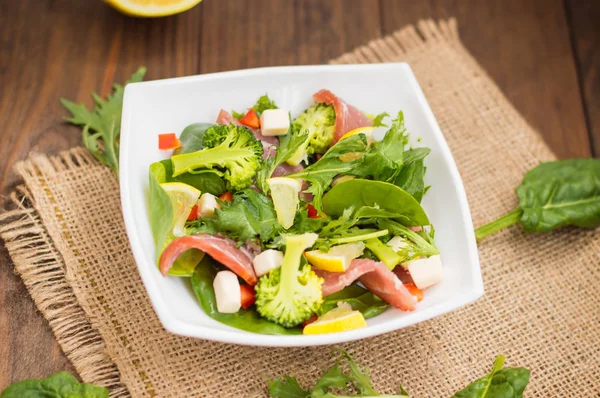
[
  {"x": 152, "y": 8},
  {"x": 339, "y": 319},
  {"x": 337, "y": 259},
  {"x": 368, "y": 131},
  {"x": 183, "y": 197},
  {"x": 284, "y": 192}
]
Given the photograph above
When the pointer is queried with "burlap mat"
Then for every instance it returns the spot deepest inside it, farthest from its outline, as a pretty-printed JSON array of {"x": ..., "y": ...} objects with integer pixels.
[{"x": 541, "y": 308}]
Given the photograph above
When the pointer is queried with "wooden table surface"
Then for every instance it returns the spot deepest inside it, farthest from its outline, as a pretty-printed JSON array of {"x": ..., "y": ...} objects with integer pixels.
[{"x": 544, "y": 55}]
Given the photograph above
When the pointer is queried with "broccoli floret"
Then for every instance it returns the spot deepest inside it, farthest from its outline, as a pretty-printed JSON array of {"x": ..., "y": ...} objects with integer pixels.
[
  {"x": 319, "y": 121},
  {"x": 230, "y": 151},
  {"x": 289, "y": 295}
]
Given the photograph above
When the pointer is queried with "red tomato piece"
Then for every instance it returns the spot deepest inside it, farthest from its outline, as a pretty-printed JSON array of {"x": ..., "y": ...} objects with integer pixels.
[
  {"x": 168, "y": 141},
  {"x": 251, "y": 119},
  {"x": 226, "y": 197},
  {"x": 248, "y": 295},
  {"x": 415, "y": 291},
  {"x": 312, "y": 212},
  {"x": 310, "y": 320},
  {"x": 193, "y": 214}
]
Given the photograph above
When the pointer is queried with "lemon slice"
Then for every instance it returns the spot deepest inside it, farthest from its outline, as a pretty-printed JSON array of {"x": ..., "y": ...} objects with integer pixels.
[
  {"x": 339, "y": 319},
  {"x": 368, "y": 131},
  {"x": 152, "y": 8},
  {"x": 337, "y": 259},
  {"x": 183, "y": 197},
  {"x": 284, "y": 192}
]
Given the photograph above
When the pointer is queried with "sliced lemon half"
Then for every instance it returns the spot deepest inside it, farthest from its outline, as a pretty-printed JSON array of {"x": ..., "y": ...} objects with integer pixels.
[
  {"x": 284, "y": 192},
  {"x": 152, "y": 8},
  {"x": 339, "y": 319},
  {"x": 337, "y": 259},
  {"x": 183, "y": 197}
]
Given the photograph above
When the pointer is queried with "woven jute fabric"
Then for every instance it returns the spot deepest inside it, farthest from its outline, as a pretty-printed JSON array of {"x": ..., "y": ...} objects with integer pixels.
[{"x": 66, "y": 236}]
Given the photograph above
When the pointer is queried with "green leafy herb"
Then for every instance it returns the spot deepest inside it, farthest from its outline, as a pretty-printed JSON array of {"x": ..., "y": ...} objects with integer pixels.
[
  {"x": 192, "y": 137},
  {"x": 208, "y": 181},
  {"x": 345, "y": 375},
  {"x": 380, "y": 195},
  {"x": 288, "y": 145},
  {"x": 101, "y": 126},
  {"x": 262, "y": 104},
  {"x": 59, "y": 385},
  {"x": 412, "y": 176},
  {"x": 418, "y": 244},
  {"x": 499, "y": 383},
  {"x": 552, "y": 195},
  {"x": 161, "y": 208},
  {"x": 359, "y": 298},
  {"x": 244, "y": 319},
  {"x": 248, "y": 216},
  {"x": 321, "y": 173},
  {"x": 378, "y": 120}
]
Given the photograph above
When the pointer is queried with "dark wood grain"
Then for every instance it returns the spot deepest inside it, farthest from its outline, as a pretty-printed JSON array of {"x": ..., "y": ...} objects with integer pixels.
[
  {"x": 583, "y": 18},
  {"x": 525, "y": 47},
  {"x": 69, "y": 48}
]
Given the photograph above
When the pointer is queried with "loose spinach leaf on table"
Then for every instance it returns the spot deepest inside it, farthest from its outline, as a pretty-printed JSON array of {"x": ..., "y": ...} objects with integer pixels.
[
  {"x": 499, "y": 383},
  {"x": 58, "y": 385},
  {"x": 245, "y": 319},
  {"x": 552, "y": 195},
  {"x": 101, "y": 126},
  {"x": 191, "y": 138}
]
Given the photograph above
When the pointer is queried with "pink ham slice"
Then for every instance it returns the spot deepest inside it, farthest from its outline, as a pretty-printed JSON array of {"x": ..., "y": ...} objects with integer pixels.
[
  {"x": 225, "y": 117},
  {"x": 221, "y": 249},
  {"x": 347, "y": 117},
  {"x": 376, "y": 277}
]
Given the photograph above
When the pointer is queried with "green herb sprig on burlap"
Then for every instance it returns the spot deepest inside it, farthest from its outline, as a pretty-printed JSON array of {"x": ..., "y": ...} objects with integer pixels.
[
  {"x": 552, "y": 195},
  {"x": 59, "y": 385},
  {"x": 102, "y": 125}
]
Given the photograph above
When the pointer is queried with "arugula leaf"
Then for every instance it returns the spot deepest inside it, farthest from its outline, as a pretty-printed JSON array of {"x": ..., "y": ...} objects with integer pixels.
[
  {"x": 101, "y": 126},
  {"x": 384, "y": 159},
  {"x": 206, "y": 181},
  {"x": 58, "y": 385},
  {"x": 161, "y": 208},
  {"x": 417, "y": 246},
  {"x": 288, "y": 145},
  {"x": 287, "y": 387},
  {"x": 552, "y": 195},
  {"x": 248, "y": 216},
  {"x": 262, "y": 104},
  {"x": 499, "y": 383},
  {"x": 412, "y": 175},
  {"x": 378, "y": 120},
  {"x": 192, "y": 137},
  {"x": 321, "y": 173},
  {"x": 359, "y": 298}
]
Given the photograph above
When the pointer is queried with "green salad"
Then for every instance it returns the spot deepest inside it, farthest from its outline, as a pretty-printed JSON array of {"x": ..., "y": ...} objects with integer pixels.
[{"x": 295, "y": 225}]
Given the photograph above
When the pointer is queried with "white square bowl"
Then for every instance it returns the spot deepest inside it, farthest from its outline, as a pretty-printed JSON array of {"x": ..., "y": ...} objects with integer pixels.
[{"x": 152, "y": 108}]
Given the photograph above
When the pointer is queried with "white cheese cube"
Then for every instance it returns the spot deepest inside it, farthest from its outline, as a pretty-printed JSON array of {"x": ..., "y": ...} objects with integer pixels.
[
  {"x": 274, "y": 122},
  {"x": 227, "y": 292},
  {"x": 426, "y": 271},
  {"x": 397, "y": 243},
  {"x": 267, "y": 261},
  {"x": 207, "y": 205}
]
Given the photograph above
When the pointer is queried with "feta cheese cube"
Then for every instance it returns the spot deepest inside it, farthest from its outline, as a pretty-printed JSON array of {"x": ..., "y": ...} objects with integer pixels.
[
  {"x": 267, "y": 261},
  {"x": 397, "y": 243},
  {"x": 274, "y": 122},
  {"x": 227, "y": 292},
  {"x": 426, "y": 271},
  {"x": 207, "y": 205}
]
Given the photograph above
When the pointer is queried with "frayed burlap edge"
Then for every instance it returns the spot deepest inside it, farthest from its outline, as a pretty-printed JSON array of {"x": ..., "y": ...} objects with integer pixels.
[{"x": 40, "y": 265}]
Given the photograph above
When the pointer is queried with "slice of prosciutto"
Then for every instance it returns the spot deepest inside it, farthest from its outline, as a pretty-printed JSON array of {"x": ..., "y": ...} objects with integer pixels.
[
  {"x": 376, "y": 277},
  {"x": 223, "y": 250},
  {"x": 347, "y": 117},
  {"x": 225, "y": 117}
]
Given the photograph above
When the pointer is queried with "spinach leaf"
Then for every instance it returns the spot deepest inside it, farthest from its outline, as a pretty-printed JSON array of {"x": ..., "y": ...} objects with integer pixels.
[
  {"x": 250, "y": 215},
  {"x": 359, "y": 298},
  {"x": 206, "y": 181},
  {"x": 59, "y": 385},
  {"x": 288, "y": 145},
  {"x": 552, "y": 195},
  {"x": 249, "y": 319},
  {"x": 412, "y": 179},
  {"x": 321, "y": 173},
  {"x": 379, "y": 194},
  {"x": 191, "y": 138},
  {"x": 499, "y": 383},
  {"x": 102, "y": 126}
]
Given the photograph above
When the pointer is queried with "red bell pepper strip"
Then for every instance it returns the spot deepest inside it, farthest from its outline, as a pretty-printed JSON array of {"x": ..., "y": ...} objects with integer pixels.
[
  {"x": 250, "y": 119},
  {"x": 168, "y": 141}
]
